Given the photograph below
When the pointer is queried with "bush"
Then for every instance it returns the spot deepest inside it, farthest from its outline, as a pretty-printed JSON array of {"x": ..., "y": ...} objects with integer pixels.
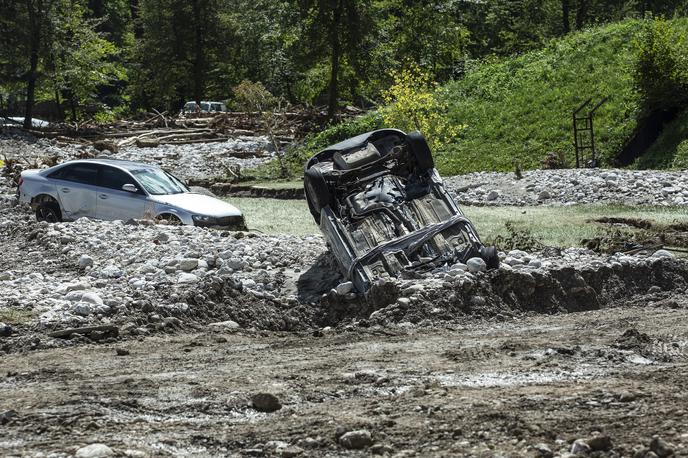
[
  {"x": 661, "y": 71},
  {"x": 251, "y": 96},
  {"x": 416, "y": 103}
]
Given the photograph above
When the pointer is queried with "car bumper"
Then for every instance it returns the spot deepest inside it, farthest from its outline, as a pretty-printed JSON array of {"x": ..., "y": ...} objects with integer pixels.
[{"x": 232, "y": 223}]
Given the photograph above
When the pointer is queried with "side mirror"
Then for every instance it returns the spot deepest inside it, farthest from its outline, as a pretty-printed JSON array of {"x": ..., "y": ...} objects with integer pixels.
[{"x": 129, "y": 188}]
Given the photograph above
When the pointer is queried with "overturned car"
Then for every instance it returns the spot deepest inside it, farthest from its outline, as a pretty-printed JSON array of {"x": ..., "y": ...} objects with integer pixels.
[{"x": 384, "y": 211}]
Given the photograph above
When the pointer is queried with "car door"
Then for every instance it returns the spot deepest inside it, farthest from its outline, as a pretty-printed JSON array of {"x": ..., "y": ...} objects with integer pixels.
[
  {"x": 76, "y": 189},
  {"x": 114, "y": 203}
]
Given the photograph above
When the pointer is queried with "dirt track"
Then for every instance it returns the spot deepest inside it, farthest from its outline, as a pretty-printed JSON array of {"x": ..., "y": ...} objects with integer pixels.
[{"x": 482, "y": 389}]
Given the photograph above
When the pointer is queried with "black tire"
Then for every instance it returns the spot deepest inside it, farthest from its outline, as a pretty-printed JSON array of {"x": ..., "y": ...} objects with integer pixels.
[
  {"x": 317, "y": 192},
  {"x": 49, "y": 212},
  {"x": 490, "y": 256},
  {"x": 420, "y": 151}
]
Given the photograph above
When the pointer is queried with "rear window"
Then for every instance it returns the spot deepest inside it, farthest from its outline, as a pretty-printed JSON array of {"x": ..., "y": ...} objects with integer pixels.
[{"x": 77, "y": 173}]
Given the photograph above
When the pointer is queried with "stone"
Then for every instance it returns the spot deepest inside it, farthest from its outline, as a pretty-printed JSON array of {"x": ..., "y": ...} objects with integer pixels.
[
  {"x": 121, "y": 351},
  {"x": 94, "y": 451},
  {"x": 600, "y": 443},
  {"x": 289, "y": 451},
  {"x": 92, "y": 298},
  {"x": 344, "y": 288},
  {"x": 663, "y": 254},
  {"x": 82, "y": 309},
  {"x": 356, "y": 440},
  {"x": 544, "y": 195},
  {"x": 580, "y": 447},
  {"x": 266, "y": 402},
  {"x": 229, "y": 324},
  {"x": 476, "y": 265},
  {"x": 543, "y": 450},
  {"x": 186, "y": 277},
  {"x": 661, "y": 448},
  {"x": 85, "y": 261},
  {"x": 492, "y": 195},
  {"x": 8, "y": 416},
  {"x": 5, "y": 330},
  {"x": 188, "y": 264},
  {"x": 5, "y": 276}
]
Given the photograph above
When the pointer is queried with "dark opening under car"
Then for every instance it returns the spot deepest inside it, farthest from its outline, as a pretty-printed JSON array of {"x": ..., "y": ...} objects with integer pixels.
[{"x": 383, "y": 209}]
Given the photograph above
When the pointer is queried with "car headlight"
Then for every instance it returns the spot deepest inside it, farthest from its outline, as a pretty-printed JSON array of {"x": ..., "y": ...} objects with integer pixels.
[{"x": 203, "y": 219}]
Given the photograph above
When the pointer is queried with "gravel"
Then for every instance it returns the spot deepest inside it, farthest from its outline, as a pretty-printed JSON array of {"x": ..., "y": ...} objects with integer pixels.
[{"x": 571, "y": 186}]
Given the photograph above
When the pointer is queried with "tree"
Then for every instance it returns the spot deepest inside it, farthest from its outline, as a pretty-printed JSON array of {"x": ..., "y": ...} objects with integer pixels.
[{"x": 334, "y": 29}]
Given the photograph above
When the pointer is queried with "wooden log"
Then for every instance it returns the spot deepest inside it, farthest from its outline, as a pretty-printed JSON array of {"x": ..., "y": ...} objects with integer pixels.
[{"x": 67, "y": 333}]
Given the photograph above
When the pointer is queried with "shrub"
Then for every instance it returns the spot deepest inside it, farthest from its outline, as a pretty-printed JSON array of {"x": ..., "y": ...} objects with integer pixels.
[
  {"x": 416, "y": 103},
  {"x": 251, "y": 96},
  {"x": 661, "y": 70}
]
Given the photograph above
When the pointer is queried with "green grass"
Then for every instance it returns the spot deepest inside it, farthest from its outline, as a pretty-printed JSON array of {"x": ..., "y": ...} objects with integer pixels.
[
  {"x": 519, "y": 109},
  {"x": 552, "y": 226},
  {"x": 563, "y": 226}
]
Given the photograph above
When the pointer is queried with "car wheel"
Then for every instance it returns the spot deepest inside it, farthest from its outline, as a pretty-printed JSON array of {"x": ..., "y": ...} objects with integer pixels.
[
  {"x": 420, "y": 150},
  {"x": 490, "y": 256},
  {"x": 317, "y": 192},
  {"x": 48, "y": 211},
  {"x": 168, "y": 219}
]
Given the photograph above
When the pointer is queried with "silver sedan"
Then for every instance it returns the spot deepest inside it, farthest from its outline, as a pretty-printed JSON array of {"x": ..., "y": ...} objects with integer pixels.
[{"x": 111, "y": 189}]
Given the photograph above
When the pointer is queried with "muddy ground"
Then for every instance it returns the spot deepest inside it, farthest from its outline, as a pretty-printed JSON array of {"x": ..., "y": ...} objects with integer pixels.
[{"x": 528, "y": 386}]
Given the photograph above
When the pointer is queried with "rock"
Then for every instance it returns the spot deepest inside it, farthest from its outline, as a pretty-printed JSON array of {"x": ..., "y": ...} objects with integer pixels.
[
  {"x": 544, "y": 195},
  {"x": 289, "y": 451},
  {"x": 5, "y": 276},
  {"x": 121, "y": 351},
  {"x": 94, "y": 451},
  {"x": 266, "y": 402},
  {"x": 356, "y": 440},
  {"x": 92, "y": 298},
  {"x": 661, "y": 448},
  {"x": 344, "y": 288},
  {"x": 600, "y": 443},
  {"x": 5, "y": 330},
  {"x": 82, "y": 309},
  {"x": 492, "y": 195},
  {"x": 8, "y": 416},
  {"x": 186, "y": 277},
  {"x": 543, "y": 450},
  {"x": 188, "y": 264},
  {"x": 663, "y": 254},
  {"x": 85, "y": 261},
  {"x": 476, "y": 265},
  {"x": 229, "y": 324},
  {"x": 580, "y": 447}
]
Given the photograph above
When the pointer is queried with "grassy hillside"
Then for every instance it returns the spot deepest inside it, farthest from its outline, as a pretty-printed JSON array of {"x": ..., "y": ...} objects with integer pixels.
[
  {"x": 519, "y": 109},
  {"x": 671, "y": 148}
]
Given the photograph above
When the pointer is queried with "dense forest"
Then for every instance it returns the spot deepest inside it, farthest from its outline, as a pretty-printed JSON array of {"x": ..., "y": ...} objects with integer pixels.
[{"x": 102, "y": 59}]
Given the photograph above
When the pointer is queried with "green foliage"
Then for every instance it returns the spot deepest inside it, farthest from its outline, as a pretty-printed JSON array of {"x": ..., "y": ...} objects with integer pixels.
[
  {"x": 518, "y": 109},
  {"x": 661, "y": 71},
  {"x": 251, "y": 96},
  {"x": 415, "y": 103}
]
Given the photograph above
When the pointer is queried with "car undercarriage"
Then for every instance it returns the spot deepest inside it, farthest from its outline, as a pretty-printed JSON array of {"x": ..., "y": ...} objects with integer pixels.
[{"x": 384, "y": 210}]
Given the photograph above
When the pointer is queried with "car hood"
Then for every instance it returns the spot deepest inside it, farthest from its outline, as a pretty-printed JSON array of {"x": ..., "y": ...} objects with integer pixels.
[{"x": 198, "y": 204}]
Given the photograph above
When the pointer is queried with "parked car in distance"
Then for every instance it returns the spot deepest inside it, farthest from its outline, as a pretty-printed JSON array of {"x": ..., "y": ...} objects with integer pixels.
[
  {"x": 204, "y": 107},
  {"x": 384, "y": 211},
  {"x": 111, "y": 189}
]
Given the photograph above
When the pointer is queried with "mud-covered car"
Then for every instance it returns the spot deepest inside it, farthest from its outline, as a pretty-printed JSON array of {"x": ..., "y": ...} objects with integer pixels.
[{"x": 383, "y": 209}]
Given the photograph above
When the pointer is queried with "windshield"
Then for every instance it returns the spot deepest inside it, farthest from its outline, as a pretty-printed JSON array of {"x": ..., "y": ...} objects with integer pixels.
[{"x": 158, "y": 182}]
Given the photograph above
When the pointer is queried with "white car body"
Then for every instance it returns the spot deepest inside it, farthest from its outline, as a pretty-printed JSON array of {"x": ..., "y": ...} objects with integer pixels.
[{"x": 110, "y": 189}]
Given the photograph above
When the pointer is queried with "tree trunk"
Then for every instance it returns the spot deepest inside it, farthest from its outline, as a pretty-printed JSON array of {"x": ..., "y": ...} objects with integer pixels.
[
  {"x": 199, "y": 58},
  {"x": 565, "y": 11},
  {"x": 581, "y": 13},
  {"x": 35, "y": 11},
  {"x": 335, "y": 43}
]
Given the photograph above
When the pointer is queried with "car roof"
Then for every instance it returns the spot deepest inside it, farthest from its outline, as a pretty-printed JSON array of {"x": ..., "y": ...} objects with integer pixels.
[{"x": 127, "y": 165}]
